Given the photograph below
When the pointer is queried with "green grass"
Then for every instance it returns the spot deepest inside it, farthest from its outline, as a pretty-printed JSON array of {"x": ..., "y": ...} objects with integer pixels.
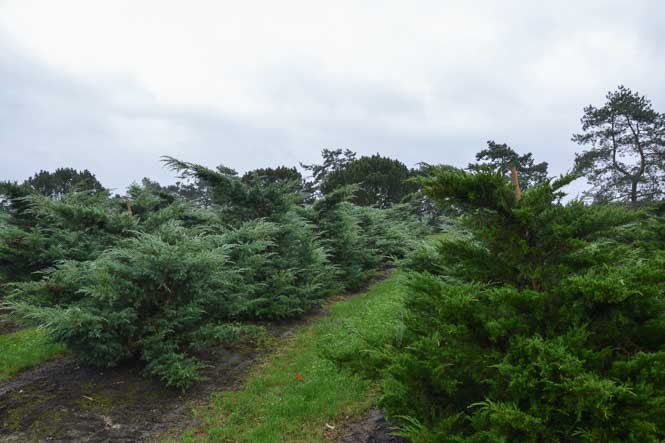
[
  {"x": 24, "y": 349},
  {"x": 297, "y": 390}
]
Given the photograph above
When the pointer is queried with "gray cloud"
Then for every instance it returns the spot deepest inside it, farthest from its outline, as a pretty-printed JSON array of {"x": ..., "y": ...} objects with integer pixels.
[
  {"x": 524, "y": 82},
  {"x": 49, "y": 120}
]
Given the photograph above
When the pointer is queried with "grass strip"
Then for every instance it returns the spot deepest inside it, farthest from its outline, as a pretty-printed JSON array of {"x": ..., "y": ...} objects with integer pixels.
[
  {"x": 24, "y": 349},
  {"x": 297, "y": 391}
]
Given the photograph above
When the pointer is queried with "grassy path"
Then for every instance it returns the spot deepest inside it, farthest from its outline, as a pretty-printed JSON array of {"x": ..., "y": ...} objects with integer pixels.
[{"x": 296, "y": 392}]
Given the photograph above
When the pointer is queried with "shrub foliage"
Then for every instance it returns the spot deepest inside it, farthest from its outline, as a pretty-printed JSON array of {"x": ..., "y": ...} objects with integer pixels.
[
  {"x": 543, "y": 322},
  {"x": 159, "y": 277}
]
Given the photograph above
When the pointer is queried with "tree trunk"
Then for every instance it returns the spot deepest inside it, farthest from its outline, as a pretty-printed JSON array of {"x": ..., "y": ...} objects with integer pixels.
[
  {"x": 633, "y": 192},
  {"x": 516, "y": 183}
]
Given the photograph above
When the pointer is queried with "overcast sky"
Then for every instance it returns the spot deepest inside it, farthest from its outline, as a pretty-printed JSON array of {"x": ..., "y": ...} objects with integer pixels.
[{"x": 112, "y": 85}]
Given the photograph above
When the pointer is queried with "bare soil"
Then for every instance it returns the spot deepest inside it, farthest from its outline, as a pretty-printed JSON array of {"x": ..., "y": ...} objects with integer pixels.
[
  {"x": 372, "y": 429},
  {"x": 61, "y": 401}
]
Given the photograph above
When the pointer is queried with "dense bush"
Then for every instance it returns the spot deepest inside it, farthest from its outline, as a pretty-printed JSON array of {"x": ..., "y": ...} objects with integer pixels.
[
  {"x": 41, "y": 231},
  {"x": 541, "y": 321},
  {"x": 146, "y": 297},
  {"x": 361, "y": 239},
  {"x": 283, "y": 268},
  {"x": 530, "y": 243},
  {"x": 155, "y": 276},
  {"x": 484, "y": 363}
]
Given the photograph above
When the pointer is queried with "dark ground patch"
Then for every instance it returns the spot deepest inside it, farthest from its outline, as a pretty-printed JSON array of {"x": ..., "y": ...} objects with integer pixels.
[
  {"x": 61, "y": 401},
  {"x": 373, "y": 429},
  {"x": 6, "y": 325}
]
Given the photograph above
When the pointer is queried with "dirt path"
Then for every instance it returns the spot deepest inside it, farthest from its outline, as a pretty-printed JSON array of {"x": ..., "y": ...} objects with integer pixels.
[{"x": 62, "y": 401}]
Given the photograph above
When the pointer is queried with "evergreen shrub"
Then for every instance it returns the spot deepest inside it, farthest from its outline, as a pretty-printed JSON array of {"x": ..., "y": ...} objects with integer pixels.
[
  {"x": 548, "y": 325},
  {"x": 165, "y": 277},
  {"x": 147, "y": 297}
]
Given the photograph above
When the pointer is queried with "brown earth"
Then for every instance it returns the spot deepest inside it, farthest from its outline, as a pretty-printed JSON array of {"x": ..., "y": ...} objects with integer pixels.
[
  {"x": 373, "y": 429},
  {"x": 61, "y": 401}
]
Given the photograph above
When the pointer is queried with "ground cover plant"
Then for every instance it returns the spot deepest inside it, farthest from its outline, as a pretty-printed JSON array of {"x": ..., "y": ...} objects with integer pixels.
[{"x": 544, "y": 321}]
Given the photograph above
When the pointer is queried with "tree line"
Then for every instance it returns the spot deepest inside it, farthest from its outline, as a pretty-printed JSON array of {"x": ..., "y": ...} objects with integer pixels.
[{"x": 625, "y": 161}]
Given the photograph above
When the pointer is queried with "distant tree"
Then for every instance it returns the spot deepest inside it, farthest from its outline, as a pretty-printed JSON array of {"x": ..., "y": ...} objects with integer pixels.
[
  {"x": 502, "y": 158},
  {"x": 333, "y": 160},
  {"x": 50, "y": 184},
  {"x": 189, "y": 189},
  {"x": 193, "y": 190},
  {"x": 627, "y": 156},
  {"x": 281, "y": 174},
  {"x": 421, "y": 205},
  {"x": 381, "y": 181},
  {"x": 62, "y": 181}
]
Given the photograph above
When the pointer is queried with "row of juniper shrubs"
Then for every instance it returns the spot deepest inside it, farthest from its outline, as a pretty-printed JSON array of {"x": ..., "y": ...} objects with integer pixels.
[
  {"x": 542, "y": 321},
  {"x": 171, "y": 278}
]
